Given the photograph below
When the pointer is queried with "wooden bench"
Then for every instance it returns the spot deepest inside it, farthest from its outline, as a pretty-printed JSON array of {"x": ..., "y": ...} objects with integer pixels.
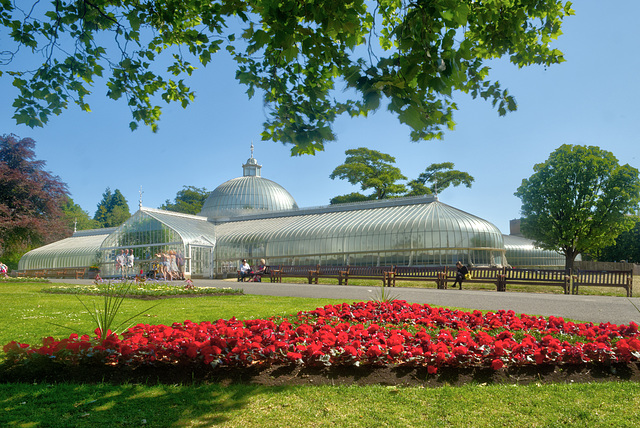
[
  {"x": 622, "y": 279},
  {"x": 479, "y": 275},
  {"x": 559, "y": 277},
  {"x": 334, "y": 272},
  {"x": 293, "y": 272},
  {"x": 365, "y": 272},
  {"x": 437, "y": 274},
  {"x": 273, "y": 272},
  {"x": 35, "y": 273},
  {"x": 67, "y": 273},
  {"x": 76, "y": 273}
]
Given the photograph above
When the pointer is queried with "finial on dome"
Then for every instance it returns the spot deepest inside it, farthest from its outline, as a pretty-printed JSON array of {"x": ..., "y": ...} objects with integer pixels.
[{"x": 251, "y": 168}]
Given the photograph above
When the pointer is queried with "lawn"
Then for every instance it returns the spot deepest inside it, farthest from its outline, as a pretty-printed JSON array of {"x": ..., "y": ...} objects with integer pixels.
[{"x": 27, "y": 314}]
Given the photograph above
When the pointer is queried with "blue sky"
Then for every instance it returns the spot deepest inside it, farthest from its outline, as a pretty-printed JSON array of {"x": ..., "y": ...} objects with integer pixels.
[{"x": 591, "y": 99}]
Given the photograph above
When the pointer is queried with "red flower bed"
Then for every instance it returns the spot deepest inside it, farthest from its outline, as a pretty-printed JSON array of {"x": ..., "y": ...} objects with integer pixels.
[{"x": 365, "y": 333}]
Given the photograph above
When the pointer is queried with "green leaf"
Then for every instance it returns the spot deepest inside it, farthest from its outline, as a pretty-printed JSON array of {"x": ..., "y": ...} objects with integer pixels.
[{"x": 447, "y": 15}]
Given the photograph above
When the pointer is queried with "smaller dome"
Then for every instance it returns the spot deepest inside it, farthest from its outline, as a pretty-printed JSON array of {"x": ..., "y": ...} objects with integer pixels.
[
  {"x": 247, "y": 194},
  {"x": 244, "y": 195}
]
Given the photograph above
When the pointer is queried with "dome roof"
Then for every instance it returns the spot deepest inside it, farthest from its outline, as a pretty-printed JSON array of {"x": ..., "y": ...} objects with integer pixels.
[{"x": 247, "y": 194}]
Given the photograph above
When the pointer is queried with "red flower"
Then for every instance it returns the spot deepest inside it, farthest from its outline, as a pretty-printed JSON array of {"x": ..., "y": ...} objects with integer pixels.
[
  {"x": 350, "y": 351},
  {"x": 395, "y": 350},
  {"x": 395, "y": 340},
  {"x": 294, "y": 356},
  {"x": 192, "y": 351},
  {"x": 374, "y": 351},
  {"x": 497, "y": 364}
]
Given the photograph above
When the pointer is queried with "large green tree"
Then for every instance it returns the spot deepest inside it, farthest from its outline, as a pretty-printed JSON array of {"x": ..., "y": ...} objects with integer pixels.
[
  {"x": 30, "y": 200},
  {"x": 437, "y": 177},
  {"x": 371, "y": 169},
  {"x": 112, "y": 210},
  {"x": 578, "y": 201},
  {"x": 189, "y": 200},
  {"x": 411, "y": 55}
]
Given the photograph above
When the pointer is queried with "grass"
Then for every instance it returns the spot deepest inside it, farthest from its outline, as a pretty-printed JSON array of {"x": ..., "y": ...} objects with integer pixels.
[
  {"x": 27, "y": 311},
  {"x": 64, "y": 405}
]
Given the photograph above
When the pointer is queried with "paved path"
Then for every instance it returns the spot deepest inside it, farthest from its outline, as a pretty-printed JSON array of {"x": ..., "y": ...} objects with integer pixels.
[{"x": 617, "y": 310}]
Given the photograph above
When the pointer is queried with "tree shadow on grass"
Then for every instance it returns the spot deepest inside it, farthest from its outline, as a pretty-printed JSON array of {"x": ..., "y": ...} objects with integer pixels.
[
  {"x": 104, "y": 404},
  {"x": 59, "y": 396}
]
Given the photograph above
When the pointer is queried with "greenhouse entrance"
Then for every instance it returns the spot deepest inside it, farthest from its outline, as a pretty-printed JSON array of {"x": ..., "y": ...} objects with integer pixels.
[
  {"x": 157, "y": 237},
  {"x": 200, "y": 261}
]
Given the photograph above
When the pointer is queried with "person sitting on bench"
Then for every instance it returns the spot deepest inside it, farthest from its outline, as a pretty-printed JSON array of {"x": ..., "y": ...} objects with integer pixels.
[
  {"x": 461, "y": 274},
  {"x": 257, "y": 275},
  {"x": 245, "y": 271}
]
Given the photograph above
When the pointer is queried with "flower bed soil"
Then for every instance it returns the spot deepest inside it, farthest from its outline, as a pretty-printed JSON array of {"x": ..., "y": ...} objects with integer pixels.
[{"x": 338, "y": 375}]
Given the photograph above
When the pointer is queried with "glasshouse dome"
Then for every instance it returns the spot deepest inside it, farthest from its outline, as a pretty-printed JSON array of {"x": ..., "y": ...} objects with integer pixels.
[{"x": 249, "y": 193}]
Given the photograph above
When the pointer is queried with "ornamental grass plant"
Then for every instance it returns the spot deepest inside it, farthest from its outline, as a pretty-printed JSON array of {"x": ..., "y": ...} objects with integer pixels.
[{"x": 104, "y": 315}]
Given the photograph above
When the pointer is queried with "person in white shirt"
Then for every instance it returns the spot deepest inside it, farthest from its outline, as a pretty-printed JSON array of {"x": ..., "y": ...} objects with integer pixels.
[
  {"x": 245, "y": 270},
  {"x": 121, "y": 263},
  {"x": 130, "y": 260}
]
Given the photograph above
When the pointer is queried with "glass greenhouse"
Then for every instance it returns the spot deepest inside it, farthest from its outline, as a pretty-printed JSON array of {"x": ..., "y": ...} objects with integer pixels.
[
  {"x": 82, "y": 250},
  {"x": 254, "y": 218},
  {"x": 522, "y": 253}
]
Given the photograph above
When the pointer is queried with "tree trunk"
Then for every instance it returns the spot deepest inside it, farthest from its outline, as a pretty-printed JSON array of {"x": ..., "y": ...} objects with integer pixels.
[{"x": 570, "y": 256}]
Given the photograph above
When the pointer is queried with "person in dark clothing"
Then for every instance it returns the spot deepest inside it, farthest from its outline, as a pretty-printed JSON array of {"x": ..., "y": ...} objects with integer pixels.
[{"x": 460, "y": 275}]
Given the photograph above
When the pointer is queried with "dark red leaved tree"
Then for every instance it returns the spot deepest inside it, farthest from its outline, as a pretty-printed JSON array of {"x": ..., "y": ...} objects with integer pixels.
[{"x": 30, "y": 200}]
